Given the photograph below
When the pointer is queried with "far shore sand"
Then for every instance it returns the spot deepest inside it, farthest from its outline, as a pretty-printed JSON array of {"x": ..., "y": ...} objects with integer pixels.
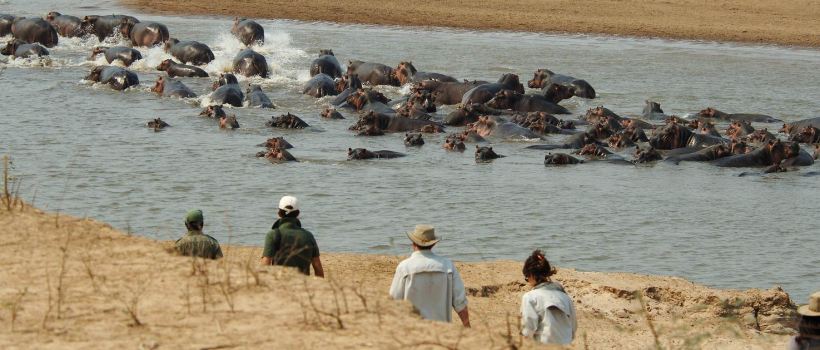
[
  {"x": 70, "y": 282},
  {"x": 786, "y": 22}
]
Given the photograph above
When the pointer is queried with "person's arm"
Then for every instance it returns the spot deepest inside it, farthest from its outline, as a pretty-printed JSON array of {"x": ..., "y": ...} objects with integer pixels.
[
  {"x": 270, "y": 248},
  {"x": 317, "y": 267},
  {"x": 218, "y": 252},
  {"x": 397, "y": 287},
  {"x": 460, "y": 298},
  {"x": 529, "y": 317}
]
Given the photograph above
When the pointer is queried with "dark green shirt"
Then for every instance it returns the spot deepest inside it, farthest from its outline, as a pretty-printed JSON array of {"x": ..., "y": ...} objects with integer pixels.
[
  {"x": 288, "y": 244},
  {"x": 195, "y": 243}
]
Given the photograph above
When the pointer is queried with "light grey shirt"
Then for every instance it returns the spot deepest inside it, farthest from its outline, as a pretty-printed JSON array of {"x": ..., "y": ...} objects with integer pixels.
[
  {"x": 431, "y": 283},
  {"x": 547, "y": 314}
]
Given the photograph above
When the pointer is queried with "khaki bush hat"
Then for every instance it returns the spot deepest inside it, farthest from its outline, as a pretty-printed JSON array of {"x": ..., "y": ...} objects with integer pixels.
[
  {"x": 423, "y": 236},
  {"x": 813, "y": 307}
]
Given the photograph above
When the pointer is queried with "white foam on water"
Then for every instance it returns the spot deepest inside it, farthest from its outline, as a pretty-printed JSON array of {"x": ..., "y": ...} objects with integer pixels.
[
  {"x": 151, "y": 58},
  {"x": 286, "y": 64},
  {"x": 45, "y": 61}
]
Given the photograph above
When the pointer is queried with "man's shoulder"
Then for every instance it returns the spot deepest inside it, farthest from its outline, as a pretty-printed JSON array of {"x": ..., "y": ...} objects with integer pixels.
[{"x": 211, "y": 239}]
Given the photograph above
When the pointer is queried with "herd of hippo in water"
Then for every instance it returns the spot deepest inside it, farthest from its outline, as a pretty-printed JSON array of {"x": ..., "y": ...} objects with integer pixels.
[{"x": 501, "y": 110}]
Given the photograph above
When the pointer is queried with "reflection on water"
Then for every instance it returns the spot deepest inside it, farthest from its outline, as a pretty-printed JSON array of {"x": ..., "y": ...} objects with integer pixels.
[{"x": 84, "y": 149}]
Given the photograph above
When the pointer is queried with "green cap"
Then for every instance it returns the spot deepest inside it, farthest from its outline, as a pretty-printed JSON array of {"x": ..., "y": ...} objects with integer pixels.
[{"x": 194, "y": 216}]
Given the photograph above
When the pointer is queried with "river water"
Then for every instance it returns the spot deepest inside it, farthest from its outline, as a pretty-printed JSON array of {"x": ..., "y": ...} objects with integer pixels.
[{"x": 84, "y": 150}]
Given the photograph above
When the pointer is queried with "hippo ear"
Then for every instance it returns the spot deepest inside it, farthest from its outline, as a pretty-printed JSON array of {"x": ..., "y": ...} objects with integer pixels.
[
  {"x": 476, "y": 146},
  {"x": 349, "y": 150}
]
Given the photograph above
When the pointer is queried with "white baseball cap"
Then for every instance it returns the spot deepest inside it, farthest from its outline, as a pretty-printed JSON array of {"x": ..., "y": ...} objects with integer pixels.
[{"x": 289, "y": 204}]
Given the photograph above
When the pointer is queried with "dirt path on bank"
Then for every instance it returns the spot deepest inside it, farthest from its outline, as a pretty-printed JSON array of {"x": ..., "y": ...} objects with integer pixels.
[{"x": 788, "y": 22}]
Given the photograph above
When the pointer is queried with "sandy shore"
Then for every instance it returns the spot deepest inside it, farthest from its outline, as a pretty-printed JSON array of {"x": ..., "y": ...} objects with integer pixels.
[
  {"x": 788, "y": 22},
  {"x": 68, "y": 282}
]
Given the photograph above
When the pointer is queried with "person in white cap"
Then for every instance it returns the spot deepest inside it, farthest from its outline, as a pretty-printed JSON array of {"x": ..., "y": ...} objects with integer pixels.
[
  {"x": 808, "y": 329},
  {"x": 288, "y": 244},
  {"x": 429, "y": 281}
]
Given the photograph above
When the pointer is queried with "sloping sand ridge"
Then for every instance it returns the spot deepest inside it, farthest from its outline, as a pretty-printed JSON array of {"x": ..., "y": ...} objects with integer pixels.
[{"x": 68, "y": 282}]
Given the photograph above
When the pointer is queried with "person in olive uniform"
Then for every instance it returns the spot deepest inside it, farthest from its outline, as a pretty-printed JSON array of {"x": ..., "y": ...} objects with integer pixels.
[
  {"x": 288, "y": 244},
  {"x": 196, "y": 243}
]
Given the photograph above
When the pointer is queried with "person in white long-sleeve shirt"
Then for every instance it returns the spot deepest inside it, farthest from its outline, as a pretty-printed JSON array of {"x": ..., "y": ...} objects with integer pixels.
[
  {"x": 430, "y": 282},
  {"x": 547, "y": 312}
]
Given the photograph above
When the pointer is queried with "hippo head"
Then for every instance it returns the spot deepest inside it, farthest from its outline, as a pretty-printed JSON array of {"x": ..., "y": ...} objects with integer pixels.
[
  {"x": 413, "y": 139},
  {"x": 762, "y": 135},
  {"x": 96, "y": 51},
  {"x": 126, "y": 26},
  {"x": 357, "y": 99},
  {"x": 483, "y": 154},
  {"x": 484, "y": 126},
  {"x": 709, "y": 112},
  {"x": 620, "y": 141},
  {"x": 11, "y": 47},
  {"x": 806, "y": 134},
  {"x": 170, "y": 43},
  {"x": 52, "y": 15},
  {"x": 224, "y": 79},
  {"x": 559, "y": 159},
  {"x": 253, "y": 87},
  {"x": 359, "y": 153},
  {"x": 557, "y": 92},
  {"x": 404, "y": 72},
  {"x": 369, "y": 119},
  {"x": 165, "y": 64},
  {"x": 778, "y": 151},
  {"x": 277, "y": 142},
  {"x": 600, "y": 131},
  {"x": 341, "y": 83},
  {"x": 504, "y": 99},
  {"x": 646, "y": 155},
  {"x": 157, "y": 124},
  {"x": 738, "y": 147},
  {"x": 454, "y": 145},
  {"x": 159, "y": 86},
  {"x": 510, "y": 82},
  {"x": 431, "y": 129},
  {"x": 87, "y": 24},
  {"x": 787, "y": 128},
  {"x": 594, "y": 151},
  {"x": 539, "y": 78},
  {"x": 331, "y": 113},
  {"x": 95, "y": 74},
  {"x": 669, "y": 137},
  {"x": 228, "y": 122},
  {"x": 326, "y": 52},
  {"x": 652, "y": 107},
  {"x": 213, "y": 111},
  {"x": 424, "y": 100}
]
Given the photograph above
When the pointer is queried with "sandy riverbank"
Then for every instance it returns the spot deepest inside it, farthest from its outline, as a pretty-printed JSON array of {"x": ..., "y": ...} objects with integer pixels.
[
  {"x": 68, "y": 282},
  {"x": 788, "y": 22}
]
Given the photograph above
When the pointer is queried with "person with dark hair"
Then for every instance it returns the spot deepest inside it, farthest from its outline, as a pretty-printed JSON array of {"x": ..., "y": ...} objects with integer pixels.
[
  {"x": 547, "y": 312},
  {"x": 808, "y": 329},
  {"x": 288, "y": 244},
  {"x": 430, "y": 282},
  {"x": 195, "y": 243}
]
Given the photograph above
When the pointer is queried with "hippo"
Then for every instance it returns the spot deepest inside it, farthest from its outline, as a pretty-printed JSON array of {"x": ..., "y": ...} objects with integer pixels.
[
  {"x": 560, "y": 159},
  {"x": 180, "y": 70},
  {"x": 346, "y": 85},
  {"x": 543, "y": 123},
  {"x": 770, "y": 154},
  {"x": 145, "y": 34},
  {"x": 126, "y": 55},
  {"x": 594, "y": 151},
  {"x": 105, "y": 26},
  {"x": 620, "y": 140},
  {"x": 704, "y": 155},
  {"x": 331, "y": 113},
  {"x": 448, "y": 93},
  {"x": 248, "y": 31},
  {"x": 391, "y": 124},
  {"x": 5, "y": 24},
  {"x": 369, "y": 100},
  {"x": 277, "y": 142},
  {"x": 277, "y": 155},
  {"x": 224, "y": 79},
  {"x": 716, "y": 114},
  {"x": 157, "y": 124},
  {"x": 66, "y": 26},
  {"x": 635, "y": 134},
  {"x": 486, "y": 126},
  {"x": 229, "y": 93},
  {"x": 739, "y": 128},
  {"x": 213, "y": 111},
  {"x": 373, "y": 73},
  {"x": 702, "y": 140},
  {"x": 413, "y": 110},
  {"x": 250, "y": 63},
  {"x": 806, "y": 134},
  {"x": 19, "y": 48},
  {"x": 794, "y": 127},
  {"x": 454, "y": 145},
  {"x": 287, "y": 121},
  {"x": 326, "y": 63},
  {"x": 557, "y": 92},
  {"x": 672, "y": 136},
  {"x": 361, "y": 154},
  {"x": 319, "y": 86},
  {"x": 485, "y": 92},
  {"x": 544, "y": 77},
  {"x": 486, "y": 154},
  {"x": 414, "y": 139},
  {"x": 118, "y": 78},
  {"x": 172, "y": 88},
  {"x": 255, "y": 97},
  {"x": 405, "y": 73},
  {"x": 511, "y": 100},
  {"x": 193, "y": 52},
  {"x": 636, "y": 123},
  {"x": 469, "y": 114},
  {"x": 228, "y": 122},
  {"x": 707, "y": 128},
  {"x": 575, "y": 141},
  {"x": 652, "y": 111},
  {"x": 646, "y": 155},
  {"x": 35, "y": 30},
  {"x": 816, "y": 151}
]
